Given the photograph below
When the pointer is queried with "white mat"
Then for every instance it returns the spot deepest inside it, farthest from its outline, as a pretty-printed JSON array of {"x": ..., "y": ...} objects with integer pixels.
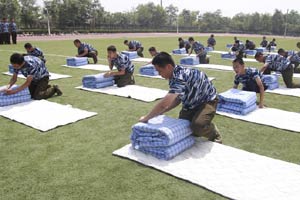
[
  {"x": 44, "y": 115},
  {"x": 131, "y": 91},
  {"x": 228, "y": 171},
  {"x": 53, "y": 76},
  {"x": 147, "y": 60},
  {"x": 215, "y": 67},
  {"x": 159, "y": 77},
  {"x": 296, "y": 75},
  {"x": 219, "y": 52},
  {"x": 286, "y": 91},
  {"x": 271, "y": 117},
  {"x": 96, "y": 67},
  {"x": 244, "y": 59}
]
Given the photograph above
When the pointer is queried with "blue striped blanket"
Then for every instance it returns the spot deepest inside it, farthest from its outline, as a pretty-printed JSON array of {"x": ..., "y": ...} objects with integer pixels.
[
  {"x": 77, "y": 61},
  {"x": 22, "y": 96},
  {"x": 97, "y": 81},
  {"x": 208, "y": 49},
  {"x": 11, "y": 69},
  {"x": 179, "y": 51},
  {"x": 130, "y": 54},
  {"x": 260, "y": 49},
  {"x": 229, "y": 46},
  {"x": 167, "y": 153},
  {"x": 162, "y": 137},
  {"x": 271, "y": 81},
  {"x": 190, "y": 60},
  {"x": 237, "y": 102},
  {"x": 250, "y": 52},
  {"x": 228, "y": 56},
  {"x": 148, "y": 70}
]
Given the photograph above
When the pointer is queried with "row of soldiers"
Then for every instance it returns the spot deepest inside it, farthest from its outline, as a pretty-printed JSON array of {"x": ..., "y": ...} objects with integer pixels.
[{"x": 8, "y": 30}]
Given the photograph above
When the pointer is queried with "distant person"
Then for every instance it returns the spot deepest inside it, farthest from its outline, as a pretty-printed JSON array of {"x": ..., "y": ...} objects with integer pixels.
[
  {"x": 184, "y": 44},
  {"x": 191, "y": 88},
  {"x": 13, "y": 31},
  {"x": 34, "y": 51},
  {"x": 6, "y": 34},
  {"x": 152, "y": 51},
  {"x": 135, "y": 45},
  {"x": 37, "y": 77},
  {"x": 239, "y": 48},
  {"x": 298, "y": 45},
  {"x": 293, "y": 57},
  {"x": 199, "y": 50},
  {"x": 271, "y": 44},
  {"x": 211, "y": 42},
  {"x": 124, "y": 74},
  {"x": 264, "y": 42},
  {"x": 86, "y": 50},
  {"x": 250, "y": 45},
  {"x": 250, "y": 78},
  {"x": 280, "y": 64}
]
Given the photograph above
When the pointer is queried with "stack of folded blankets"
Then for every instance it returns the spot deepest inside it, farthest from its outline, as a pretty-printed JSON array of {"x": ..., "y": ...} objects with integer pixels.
[
  {"x": 229, "y": 46},
  {"x": 273, "y": 48},
  {"x": 190, "y": 60},
  {"x": 179, "y": 51},
  {"x": 260, "y": 49},
  {"x": 130, "y": 54},
  {"x": 228, "y": 55},
  {"x": 148, "y": 70},
  {"x": 237, "y": 102},
  {"x": 271, "y": 81},
  {"x": 20, "y": 97},
  {"x": 97, "y": 81},
  {"x": 250, "y": 52},
  {"x": 162, "y": 137},
  {"x": 77, "y": 61},
  {"x": 208, "y": 49}
]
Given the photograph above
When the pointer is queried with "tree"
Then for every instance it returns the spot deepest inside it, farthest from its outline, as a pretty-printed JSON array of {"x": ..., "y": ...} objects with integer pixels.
[
  {"x": 278, "y": 22},
  {"x": 171, "y": 12},
  {"x": 9, "y": 8},
  {"x": 29, "y": 13},
  {"x": 150, "y": 15}
]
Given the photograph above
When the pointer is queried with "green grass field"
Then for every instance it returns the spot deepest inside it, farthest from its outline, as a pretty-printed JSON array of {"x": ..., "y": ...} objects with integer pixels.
[{"x": 75, "y": 161}]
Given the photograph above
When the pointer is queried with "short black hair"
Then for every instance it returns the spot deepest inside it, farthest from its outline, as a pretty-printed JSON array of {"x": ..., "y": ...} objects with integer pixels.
[
  {"x": 191, "y": 39},
  {"x": 125, "y": 41},
  {"x": 212, "y": 35},
  {"x": 16, "y": 58},
  {"x": 27, "y": 46},
  {"x": 180, "y": 39},
  {"x": 247, "y": 41},
  {"x": 258, "y": 54},
  {"x": 112, "y": 48},
  {"x": 239, "y": 60},
  {"x": 77, "y": 41},
  {"x": 274, "y": 39},
  {"x": 281, "y": 50},
  {"x": 152, "y": 49},
  {"x": 162, "y": 59},
  {"x": 237, "y": 41}
]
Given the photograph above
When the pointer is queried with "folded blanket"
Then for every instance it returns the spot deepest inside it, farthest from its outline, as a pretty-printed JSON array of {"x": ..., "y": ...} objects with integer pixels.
[
  {"x": 77, "y": 61},
  {"x": 191, "y": 60},
  {"x": 22, "y": 96},
  {"x": 148, "y": 70},
  {"x": 244, "y": 111},
  {"x": 260, "y": 49},
  {"x": 179, "y": 51},
  {"x": 160, "y": 131},
  {"x": 98, "y": 84},
  {"x": 208, "y": 49},
  {"x": 241, "y": 98},
  {"x": 167, "y": 153},
  {"x": 250, "y": 52},
  {"x": 228, "y": 55},
  {"x": 97, "y": 81},
  {"x": 271, "y": 81},
  {"x": 228, "y": 46},
  {"x": 130, "y": 54}
]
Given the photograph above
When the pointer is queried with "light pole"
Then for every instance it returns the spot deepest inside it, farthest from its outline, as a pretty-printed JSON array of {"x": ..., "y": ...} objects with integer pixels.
[
  {"x": 177, "y": 24},
  {"x": 285, "y": 28},
  {"x": 48, "y": 21}
]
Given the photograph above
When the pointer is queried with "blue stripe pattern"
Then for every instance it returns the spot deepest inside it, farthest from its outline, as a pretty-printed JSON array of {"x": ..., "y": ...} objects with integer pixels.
[{"x": 22, "y": 96}]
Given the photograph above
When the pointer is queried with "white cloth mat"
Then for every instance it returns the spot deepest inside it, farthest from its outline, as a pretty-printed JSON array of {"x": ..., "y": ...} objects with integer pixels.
[
  {"x": 44, "y": 115},
  {"x": 215, "y": 67},
  {"x": 96, "y": 67},
  {"x": 286, "y": 91},
  {"x": 131, "y": 91},
  {"x": 271, "y": 117},
  {"x": 159, "y": 77},
  {"x": 244, "y": 59},
  {"x": 53, "y": 76},
  {"x": 228, "y": 171},
  {"x": 147, "y": 60}
]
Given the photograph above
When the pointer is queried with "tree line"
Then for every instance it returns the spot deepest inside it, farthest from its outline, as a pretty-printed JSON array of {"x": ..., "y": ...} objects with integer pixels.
[{"x": 90, "y": 16}]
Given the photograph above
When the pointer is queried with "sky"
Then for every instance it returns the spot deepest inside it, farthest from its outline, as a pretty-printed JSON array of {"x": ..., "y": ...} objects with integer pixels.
[{"x": 228, "y": 7}]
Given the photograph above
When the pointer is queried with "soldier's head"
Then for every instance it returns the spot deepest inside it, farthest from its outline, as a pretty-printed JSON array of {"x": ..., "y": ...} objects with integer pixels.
[
  {"x": 112, "y": 52},
  {"x": 259, "y": 57},
  {"x": 28, "y": 47},
  {"x": 17, "y": 60},
  {"x": 238, "y": 66},
  {"x": 164, "y": 64},
  {"x": 77, "y": 43}
]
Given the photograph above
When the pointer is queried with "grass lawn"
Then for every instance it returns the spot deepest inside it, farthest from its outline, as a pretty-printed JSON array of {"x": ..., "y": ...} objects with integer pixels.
[{"x": 75, "y": 161}]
